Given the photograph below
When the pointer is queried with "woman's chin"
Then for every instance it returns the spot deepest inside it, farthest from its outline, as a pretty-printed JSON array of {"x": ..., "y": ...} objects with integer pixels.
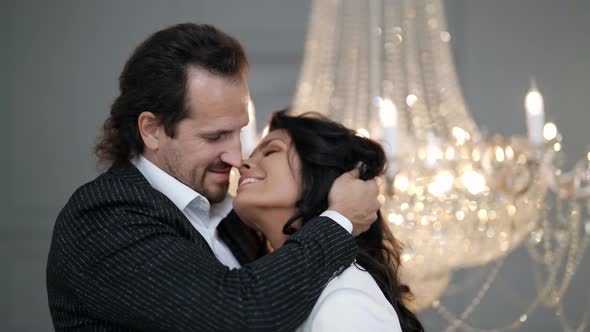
[
  {"x": 239, "y": 203},
  {"x": 243, "y": 209}
]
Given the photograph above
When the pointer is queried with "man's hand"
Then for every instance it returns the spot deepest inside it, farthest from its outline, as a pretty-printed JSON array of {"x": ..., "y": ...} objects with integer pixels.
[{"x": 356, "y": 200}]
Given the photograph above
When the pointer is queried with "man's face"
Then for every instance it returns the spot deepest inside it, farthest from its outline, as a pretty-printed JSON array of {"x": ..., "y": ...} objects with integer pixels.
[{"x": 207, "y": 143}]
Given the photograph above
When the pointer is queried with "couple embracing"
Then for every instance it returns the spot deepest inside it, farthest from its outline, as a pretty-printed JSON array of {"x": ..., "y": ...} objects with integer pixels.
[{"x": 156, "y": 243}]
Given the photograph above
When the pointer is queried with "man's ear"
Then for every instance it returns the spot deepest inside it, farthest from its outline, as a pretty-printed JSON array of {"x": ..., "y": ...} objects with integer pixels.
[{"x": 149, "y": 129}]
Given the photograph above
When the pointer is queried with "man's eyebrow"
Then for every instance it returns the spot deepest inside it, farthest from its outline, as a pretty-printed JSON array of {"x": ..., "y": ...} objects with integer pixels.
[{"x": 216, "y": 132}]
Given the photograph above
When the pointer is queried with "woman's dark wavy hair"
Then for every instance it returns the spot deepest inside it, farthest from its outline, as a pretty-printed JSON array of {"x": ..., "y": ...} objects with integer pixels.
[
  {"x": 327, "y": 150},
  {"x": 154, "y": 79}
]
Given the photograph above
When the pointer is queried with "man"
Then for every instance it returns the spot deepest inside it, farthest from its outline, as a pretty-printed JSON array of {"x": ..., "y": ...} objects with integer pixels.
[{"x": 139, "y": 247}]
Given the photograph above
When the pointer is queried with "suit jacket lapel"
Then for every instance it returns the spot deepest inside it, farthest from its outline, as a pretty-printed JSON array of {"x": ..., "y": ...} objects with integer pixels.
[{"x": 180, "y": 222}]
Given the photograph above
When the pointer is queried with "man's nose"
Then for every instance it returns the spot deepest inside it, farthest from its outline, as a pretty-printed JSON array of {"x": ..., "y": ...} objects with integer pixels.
[{"x": 233, "y": 154}]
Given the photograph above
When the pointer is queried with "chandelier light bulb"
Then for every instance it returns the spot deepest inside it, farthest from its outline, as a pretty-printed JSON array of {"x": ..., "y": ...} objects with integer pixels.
[
  {"x": 500, "y": 154},
  {"x": 474, "y": 182},
  {"x": 509, "y": 153},
  {"x": 433, "y": 154},
  {"x": 534, "y": 102},
  {"x": 535, "y": 114},
  {"x": 401, "y": 183},
  {"x": 395, "y": 218},
  {"x": 549, "y": 131},
  {"x": 443, "y": 183},
  {"x": 388, "y": 113},
  {"x": 363, "y": 132},
  {"x": 460, "y": 135},
  {"x": 249, "y": 134},
  {"x": 411, "y": 100},
  {"x": 265, "y": 131}
]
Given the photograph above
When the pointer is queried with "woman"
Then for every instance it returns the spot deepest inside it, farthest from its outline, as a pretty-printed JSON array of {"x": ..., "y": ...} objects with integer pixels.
[{"x": 288, "y": 177}]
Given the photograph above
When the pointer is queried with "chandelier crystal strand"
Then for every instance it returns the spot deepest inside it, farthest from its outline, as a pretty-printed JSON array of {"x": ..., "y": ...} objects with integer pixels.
[
  {"x": 394, "y": 74},
  {"x": 348, "y": 80},
  {"x": 374, "y": 64},
  {"x": 480, "y": 294},
  {"x": 415, "y": 100},
  {"x": 474, "y": 277},
  {"x": 567, "y": 326},
  {"x": 316, "y": 85},
  {"x": 452, "y": 105},
  {"x": 367, "y": 37},
  {"x": 561, "y": 247},
  {"x": 456, "y": 322},
  {"x": 568, "y": 242}
]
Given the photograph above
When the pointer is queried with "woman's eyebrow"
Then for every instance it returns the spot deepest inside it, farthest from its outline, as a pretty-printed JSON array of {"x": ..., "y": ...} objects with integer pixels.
[{"x": 263, "y": 145}]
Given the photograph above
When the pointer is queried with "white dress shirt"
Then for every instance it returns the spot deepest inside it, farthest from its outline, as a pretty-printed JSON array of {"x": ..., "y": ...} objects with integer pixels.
[
  {"x": 352, "y": 302},
  {"x": 204, "y": 217}
]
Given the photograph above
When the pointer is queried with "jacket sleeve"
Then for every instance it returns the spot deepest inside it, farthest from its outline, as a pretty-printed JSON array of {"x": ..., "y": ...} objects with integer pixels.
[{"x": 134, "y": 270}]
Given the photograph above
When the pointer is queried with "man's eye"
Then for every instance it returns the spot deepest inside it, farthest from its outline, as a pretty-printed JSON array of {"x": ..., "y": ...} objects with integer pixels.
[{"x": 214, "y": 138}]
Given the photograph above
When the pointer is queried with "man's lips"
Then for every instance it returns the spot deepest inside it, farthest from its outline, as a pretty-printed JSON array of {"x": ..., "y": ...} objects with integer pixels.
[
  {"x": 221, "y": 174},
  {"x": 221, "y": 171}
]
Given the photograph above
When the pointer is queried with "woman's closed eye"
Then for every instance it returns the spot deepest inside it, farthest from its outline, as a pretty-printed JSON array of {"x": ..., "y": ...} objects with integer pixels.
[{"x": 269, "y": 152}]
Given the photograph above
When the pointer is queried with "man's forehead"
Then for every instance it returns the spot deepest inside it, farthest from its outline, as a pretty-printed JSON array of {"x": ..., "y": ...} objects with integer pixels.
[{"x": 198, "y": 74}]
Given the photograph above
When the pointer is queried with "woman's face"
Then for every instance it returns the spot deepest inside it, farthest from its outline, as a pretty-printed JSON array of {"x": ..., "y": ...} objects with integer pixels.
[{"x": 270, "y": 180}]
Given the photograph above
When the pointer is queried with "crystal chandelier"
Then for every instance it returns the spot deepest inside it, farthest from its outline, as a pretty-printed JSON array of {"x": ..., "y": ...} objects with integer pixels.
[{"x": 462, "y": 199}]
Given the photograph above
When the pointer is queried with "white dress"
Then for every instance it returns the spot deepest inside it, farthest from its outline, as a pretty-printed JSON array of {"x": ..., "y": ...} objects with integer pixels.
[{"x": 352, "y": 301}]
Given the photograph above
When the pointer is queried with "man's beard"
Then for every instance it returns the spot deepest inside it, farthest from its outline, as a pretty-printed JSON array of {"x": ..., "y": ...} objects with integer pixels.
[
  {"x": 196, "y": 181},
  {"x": 217, "y": 196}
]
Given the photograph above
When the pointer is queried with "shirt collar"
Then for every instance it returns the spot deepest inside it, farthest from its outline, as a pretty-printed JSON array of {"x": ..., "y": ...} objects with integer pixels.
[
  {"x": 185, "y": 198},
  {"x": 179, "y": 193}
]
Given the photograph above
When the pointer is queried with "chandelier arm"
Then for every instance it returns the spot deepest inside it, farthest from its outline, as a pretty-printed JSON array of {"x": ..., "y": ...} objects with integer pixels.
[
  {"x": 477, "y": 299},
  {"x": 553, "y": 258},
  {"x": 455, "y": 321},
  {"x": 454, "y": 289},
  {"x": 564, "y": 322},
  {"x": 572, "y": 253},
  {"x": 569, "y": 185}
]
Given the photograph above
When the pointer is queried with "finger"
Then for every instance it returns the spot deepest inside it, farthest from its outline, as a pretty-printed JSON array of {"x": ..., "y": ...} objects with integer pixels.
[
  {"x": 372, "y": 220},
  {"x": 379, "y": 180},
  {"x": 376, "y": 207},
  {"x": 355, "y": 172},
  {"x": 373, "y": 185}
]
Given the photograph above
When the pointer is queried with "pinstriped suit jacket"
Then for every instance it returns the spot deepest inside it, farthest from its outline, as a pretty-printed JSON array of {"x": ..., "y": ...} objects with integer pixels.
[{"x": 123, "y": 257}]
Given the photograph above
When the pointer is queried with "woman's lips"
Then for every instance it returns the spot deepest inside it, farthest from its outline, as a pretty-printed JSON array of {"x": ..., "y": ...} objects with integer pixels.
[{"x": 245, "y": 181}]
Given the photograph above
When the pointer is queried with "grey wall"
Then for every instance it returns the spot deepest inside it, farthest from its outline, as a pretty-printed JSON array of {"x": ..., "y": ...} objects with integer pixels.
[{"x": 62, "y": 58}]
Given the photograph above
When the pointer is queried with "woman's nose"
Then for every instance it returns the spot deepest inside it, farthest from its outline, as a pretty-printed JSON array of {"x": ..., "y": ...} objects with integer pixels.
[{"x": 246, "y": 164}]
